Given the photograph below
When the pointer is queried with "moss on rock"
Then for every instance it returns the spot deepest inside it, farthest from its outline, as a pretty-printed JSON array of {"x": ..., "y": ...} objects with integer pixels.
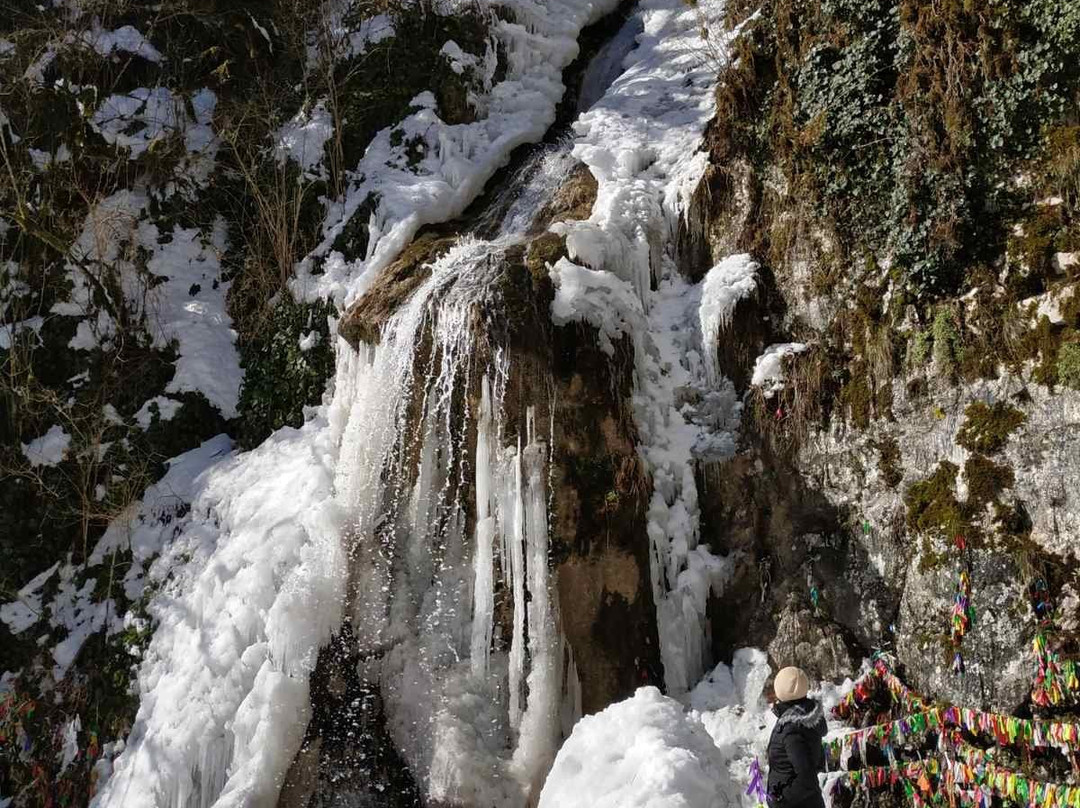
[
  {"x": 889, "y": 461},
  {"x": 987, "y": 428},
  {"x": 986, "y": 480}
]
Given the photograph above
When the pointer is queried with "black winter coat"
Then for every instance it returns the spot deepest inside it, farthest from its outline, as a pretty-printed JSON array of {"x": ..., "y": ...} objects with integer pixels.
[{"x": 796, "y": 756}]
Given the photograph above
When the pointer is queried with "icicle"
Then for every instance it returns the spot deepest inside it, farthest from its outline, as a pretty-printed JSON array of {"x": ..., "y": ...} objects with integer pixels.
[
  {"x": 483, "y": 568},
  {"x": 516, "y": 539},
  {"x": 538, "y": 739}
]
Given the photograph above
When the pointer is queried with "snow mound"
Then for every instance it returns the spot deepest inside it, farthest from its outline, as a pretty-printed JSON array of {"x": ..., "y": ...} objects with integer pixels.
[
  {"x": 303, "y": 139},
  {"x": 645, "y": 752}
]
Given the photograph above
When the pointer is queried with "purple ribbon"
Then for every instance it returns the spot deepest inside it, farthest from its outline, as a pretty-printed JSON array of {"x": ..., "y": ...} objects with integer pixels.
[{"x": 756, "y": 788}]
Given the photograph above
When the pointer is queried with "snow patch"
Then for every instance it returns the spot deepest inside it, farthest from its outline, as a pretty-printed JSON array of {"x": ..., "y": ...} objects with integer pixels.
[
  {"x": 49, "y": 449},
  {"x": 166, "y": 410},
  {"x": 189, "y": 308},
  {"x": 8, "y": 331},
  {"x": 303, "y": 139},
  {"x": 769, "y": 367},
  {"x": 25, "y": 610}
]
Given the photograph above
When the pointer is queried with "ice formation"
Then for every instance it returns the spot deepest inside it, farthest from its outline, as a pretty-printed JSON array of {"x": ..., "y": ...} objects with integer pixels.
[
  {"x": 643, "y": 147},
  {"x": 360, "y": 514},
  {"x": 365, "y": 521},
  {"x": 727, "y": 283}
]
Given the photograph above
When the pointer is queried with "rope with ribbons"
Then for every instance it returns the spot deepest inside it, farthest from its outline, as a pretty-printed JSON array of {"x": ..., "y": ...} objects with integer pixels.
[
  {"x": 960, "y": 781},
  {"x": 1056, "y": 681},
  {"x": 1006, "y": 730},
  {"x": 963, "y": 613},
  {"x": 864, "y": 690}
]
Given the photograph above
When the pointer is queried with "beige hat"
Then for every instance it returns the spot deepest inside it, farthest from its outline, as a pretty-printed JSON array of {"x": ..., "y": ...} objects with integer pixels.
[{"x": 791, "y": 684}]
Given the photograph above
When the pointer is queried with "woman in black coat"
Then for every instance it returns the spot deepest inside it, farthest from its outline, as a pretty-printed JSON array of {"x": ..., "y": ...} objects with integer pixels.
[{"x": 795, "y": 752}]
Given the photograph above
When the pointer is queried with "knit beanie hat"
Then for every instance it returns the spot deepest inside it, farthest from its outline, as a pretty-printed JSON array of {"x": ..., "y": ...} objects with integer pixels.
[{"x": 791, "y": 684}]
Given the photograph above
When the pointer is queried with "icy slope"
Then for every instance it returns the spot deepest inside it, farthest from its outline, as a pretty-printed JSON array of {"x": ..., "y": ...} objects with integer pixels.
[{"x": 254, "y": 592}]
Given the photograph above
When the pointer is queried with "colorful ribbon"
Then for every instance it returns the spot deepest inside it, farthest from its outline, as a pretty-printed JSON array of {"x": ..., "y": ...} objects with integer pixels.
[{"x": 756, "y": 789}]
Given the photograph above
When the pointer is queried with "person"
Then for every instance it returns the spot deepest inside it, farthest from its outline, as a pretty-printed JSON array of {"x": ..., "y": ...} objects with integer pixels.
[{"x": 795, "y": 752}]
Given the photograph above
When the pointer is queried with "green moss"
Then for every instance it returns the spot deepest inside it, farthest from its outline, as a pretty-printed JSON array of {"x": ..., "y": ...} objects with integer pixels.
[
  {"x": 985, "y": 481},
  {"x": 986, "y": 428},
  {"x": 947, "y": 346},
  {"x": 1012, "y": 520},
  {"x": 1031, "y": 250},
  {"x": 1042, "y": 344},
  {"x": 544, "y": 251},
  {"x": 857, "y": 397},
  {"x": 889, "y": 461},
  {"x": 1068, "y": 365},
  {"x": 919, "y": 349},
  {"x": 932, "y": 505}
]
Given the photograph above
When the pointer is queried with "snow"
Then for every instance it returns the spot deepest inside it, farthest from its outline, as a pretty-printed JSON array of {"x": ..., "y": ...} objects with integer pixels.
[
  {"x": 654, "y": 751},
  {"x": 43, "y": 160},
  {"x": 732, "y": 280},
  {"x": 93, "y": 332},
  {"x": 606, "y": 66},
  {"x": 126, "y": 39},
  {"x": 74, "y": 611},
  {"x": 341, "y": 40},
  {"x": 458, "y": 159},
  {"x": 769, "y": 367},
  {"x": 49, "y": 449},
  {"x": 8, "y": 331},
  {"x": 70, "y": 749},
  {"x": 597, "y": 297},
  {"x": 303, "y": 139},
  {"x": 7, "y": 48},
  {"x": 309, "y": 340},
  {"x": 106, "y": 43},
  {"x": 459, "y": 59},
  {"x": 186, "y": 309},
  {"x": 189, "y": 308},
  {"x": 152, "y": 112},
  {"x": 166, "y": 410},
  {"x": 644, "y": 752},
  {"x": 138, "y": 119},
  {"x": 25, "y": 610}
]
